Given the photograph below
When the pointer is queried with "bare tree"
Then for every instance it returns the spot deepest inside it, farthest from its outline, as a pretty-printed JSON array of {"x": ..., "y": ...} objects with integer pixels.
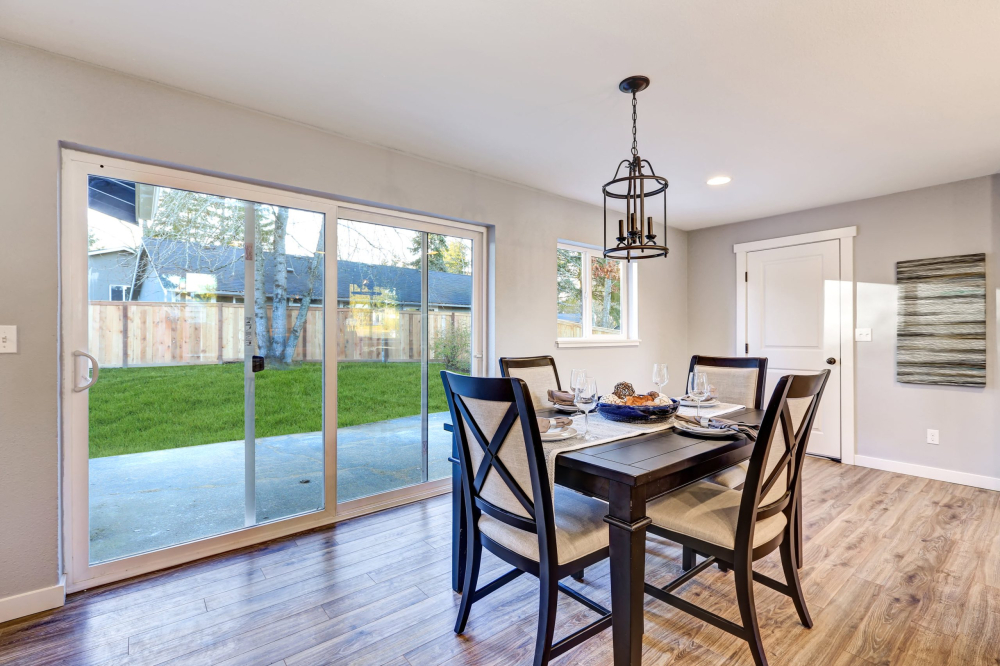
[{"x": 208, "y": 227}]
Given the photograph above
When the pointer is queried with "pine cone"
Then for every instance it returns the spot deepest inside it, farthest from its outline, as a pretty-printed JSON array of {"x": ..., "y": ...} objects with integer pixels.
[{"x": 623, "y": 390}]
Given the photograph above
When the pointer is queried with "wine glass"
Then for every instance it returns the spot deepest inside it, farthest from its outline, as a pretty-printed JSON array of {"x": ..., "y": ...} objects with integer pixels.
[
  {"x": 576, "y": 379},
  {"x": 586, "y": 401},
  {"x": 698, "y": 389},
  {"x": 661, "y": 375}
]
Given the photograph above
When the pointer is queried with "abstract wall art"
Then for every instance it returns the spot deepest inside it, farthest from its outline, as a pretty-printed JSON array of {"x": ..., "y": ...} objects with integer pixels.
[{"x": 941, "y": 324}]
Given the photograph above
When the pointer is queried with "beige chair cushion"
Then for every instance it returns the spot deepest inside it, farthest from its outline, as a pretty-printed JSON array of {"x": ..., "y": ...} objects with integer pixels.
[
  {"x": 513, "y": 454},
  {"x": 709, "y": 512},
  {"x": 539, "y": 380},
  {"x": 580, "y": 528},
  {"x": 737, "y": 386}
]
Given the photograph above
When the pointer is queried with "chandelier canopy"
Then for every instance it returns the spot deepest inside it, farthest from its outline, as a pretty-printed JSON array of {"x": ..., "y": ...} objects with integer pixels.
[{"x": 641, "y": 189}]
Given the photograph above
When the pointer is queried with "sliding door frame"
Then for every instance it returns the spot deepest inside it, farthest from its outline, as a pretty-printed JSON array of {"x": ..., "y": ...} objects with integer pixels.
[
  {"x": 479, "y": 363},
  {"x": 74, "y": 412}
]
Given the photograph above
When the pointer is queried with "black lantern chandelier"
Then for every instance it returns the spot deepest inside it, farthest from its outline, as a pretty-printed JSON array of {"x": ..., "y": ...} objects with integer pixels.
[{"x": 636, "y": 237}]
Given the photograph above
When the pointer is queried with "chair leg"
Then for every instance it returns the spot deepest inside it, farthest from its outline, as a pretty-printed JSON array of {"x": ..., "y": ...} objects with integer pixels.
[
  {"x": 748, "y": 612},
  {"x": 688, "y": 558},
  {"x": 473, "y": 557},
  {"x": 547, "y": 603},
  {"x": 797, "y": 531},
  {"x": 578, "y": 575},
  {"x": 788, "y": 564}
]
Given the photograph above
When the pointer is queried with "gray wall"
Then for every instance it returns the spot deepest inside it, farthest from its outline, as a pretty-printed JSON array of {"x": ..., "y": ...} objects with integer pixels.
[
  {"x": 892, "y": 418},
  {"x": 47, "y": 99}
]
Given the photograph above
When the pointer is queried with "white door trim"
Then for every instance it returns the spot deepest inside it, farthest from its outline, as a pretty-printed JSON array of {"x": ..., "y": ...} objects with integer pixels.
[
  {"x": 799, "y": 239},
  {"x": 847, "y": 352}
]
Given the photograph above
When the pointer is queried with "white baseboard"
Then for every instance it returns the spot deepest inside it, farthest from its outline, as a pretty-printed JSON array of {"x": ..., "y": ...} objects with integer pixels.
[
  {"x": 936, "y": 473},
  {"x": 32, "y": 602}
]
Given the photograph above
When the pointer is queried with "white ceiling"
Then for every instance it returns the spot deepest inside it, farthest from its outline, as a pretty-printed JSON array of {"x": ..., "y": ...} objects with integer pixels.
[{"x": 802, "y": 102}]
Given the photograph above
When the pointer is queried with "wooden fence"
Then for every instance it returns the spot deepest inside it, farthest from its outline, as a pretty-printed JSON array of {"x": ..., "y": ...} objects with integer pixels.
[{"x": 135, "y": 333}]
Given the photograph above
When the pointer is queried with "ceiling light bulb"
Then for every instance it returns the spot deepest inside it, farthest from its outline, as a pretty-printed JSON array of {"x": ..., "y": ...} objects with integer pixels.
[{"x": 719, "y": 180}]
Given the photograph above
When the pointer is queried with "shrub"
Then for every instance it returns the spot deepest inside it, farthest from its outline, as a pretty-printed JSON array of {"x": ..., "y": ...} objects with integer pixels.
[{"x": 453, "y": 348}]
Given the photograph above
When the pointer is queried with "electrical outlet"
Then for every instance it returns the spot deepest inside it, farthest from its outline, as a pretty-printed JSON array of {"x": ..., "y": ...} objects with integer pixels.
[
  {"x": 933, "y": 437},
  {"x": 8, "y": 339},
  {"x": 863, "y": 335}
]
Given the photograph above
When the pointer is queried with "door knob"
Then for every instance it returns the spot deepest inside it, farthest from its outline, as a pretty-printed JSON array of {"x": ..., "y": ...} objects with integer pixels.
[{"x": 831, "y": 361}]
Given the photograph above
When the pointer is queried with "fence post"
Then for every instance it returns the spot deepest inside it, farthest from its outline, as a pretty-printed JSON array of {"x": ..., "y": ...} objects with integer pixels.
[
  {"x": 124, "y": 334},
  {"x": 218, "y": 306}
]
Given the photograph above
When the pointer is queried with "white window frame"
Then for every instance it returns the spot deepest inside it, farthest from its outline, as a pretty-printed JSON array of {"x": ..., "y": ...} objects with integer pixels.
[
  {"x": 126, "y": 291},
  {"x": 630, "y": 308}
]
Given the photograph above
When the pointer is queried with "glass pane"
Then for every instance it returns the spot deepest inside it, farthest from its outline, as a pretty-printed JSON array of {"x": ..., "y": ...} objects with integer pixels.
[
  {"x": 606, "y": 296},
  {"x": 569, "y": 303},
  {"x": 288, "y": 318},
  {"x": 449, "y": 336},
  {"x": 165, "y": 275},
  {"x": 379, "y": 438}
]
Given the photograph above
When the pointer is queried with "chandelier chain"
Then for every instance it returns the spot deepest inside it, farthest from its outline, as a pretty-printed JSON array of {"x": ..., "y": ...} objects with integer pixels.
[{"x": 635, "y": 145}]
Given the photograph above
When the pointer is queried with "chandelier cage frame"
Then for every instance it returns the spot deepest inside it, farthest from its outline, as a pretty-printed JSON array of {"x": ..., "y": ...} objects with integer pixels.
[{"x": 636, "y": 238}]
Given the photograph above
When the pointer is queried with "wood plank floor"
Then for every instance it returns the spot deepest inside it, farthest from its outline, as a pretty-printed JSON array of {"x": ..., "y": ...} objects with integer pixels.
[{"x": 899, "y": 570}]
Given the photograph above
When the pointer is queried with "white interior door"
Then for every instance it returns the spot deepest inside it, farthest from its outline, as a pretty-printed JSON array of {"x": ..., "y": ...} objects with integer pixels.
[{"x": 793, "y": 319}]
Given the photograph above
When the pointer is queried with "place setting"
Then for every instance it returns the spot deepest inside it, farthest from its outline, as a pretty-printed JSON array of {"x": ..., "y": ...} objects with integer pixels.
[{"x": 624, "y": 410}]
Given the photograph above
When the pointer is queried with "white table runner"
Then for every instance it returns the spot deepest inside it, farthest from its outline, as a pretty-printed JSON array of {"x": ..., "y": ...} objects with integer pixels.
[{"x": 605, "y": 430}]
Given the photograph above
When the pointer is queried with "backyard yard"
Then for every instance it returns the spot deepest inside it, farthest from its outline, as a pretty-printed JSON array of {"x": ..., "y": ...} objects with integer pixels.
[{"x": 133, "y": 410}]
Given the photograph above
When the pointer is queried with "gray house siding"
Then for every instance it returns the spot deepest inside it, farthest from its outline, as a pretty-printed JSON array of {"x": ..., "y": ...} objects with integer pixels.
[{"x": 106, "y": 269}]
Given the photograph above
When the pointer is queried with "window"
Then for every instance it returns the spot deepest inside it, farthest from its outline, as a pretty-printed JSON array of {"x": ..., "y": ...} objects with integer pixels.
[
  {"x": 120, "y": 292},
  {"x": 595, "y": 301}
]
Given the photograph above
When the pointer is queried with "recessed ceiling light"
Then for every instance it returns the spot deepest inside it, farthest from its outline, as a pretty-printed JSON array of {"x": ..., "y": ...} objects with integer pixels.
[{"x": 719, "y": 180}]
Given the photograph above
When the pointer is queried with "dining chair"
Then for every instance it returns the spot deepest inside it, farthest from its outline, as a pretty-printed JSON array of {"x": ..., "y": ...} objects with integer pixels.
[
  {"x": 538, "y": 372},
  {"x": 514, "y": 512},
  {"x": 740, "y": 527},
  {"x": 738, "y": 380}
]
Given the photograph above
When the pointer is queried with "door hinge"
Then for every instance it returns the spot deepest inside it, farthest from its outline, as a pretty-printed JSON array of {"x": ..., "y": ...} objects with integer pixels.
[
  {"x": 747, "y": 348},
  {"x": 746, "y": 276}
]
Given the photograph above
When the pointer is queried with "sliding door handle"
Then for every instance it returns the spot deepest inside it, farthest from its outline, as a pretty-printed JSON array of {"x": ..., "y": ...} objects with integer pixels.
[
  {"x": 94, "y": 365},
  {"x": 256, "y": 363}
]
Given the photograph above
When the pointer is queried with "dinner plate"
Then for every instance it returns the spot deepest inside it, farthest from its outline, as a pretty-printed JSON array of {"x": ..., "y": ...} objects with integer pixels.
[
  {"x": 558, "y": 435},
  {"x": 691, "y": 403},
  {"x": 715, "y": 433},
  {"x": 565, "y": 408}
]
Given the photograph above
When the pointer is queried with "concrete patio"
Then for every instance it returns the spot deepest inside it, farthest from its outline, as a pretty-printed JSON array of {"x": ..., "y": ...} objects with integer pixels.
[{"x": 146, "y": 501}]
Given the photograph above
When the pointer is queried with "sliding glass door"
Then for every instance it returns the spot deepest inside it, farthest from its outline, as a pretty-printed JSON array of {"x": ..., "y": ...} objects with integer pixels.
[
  {"x": 243, "y": 363},
  {"x": 206, "y": 323},
  {"x": 406, "y": 310}
]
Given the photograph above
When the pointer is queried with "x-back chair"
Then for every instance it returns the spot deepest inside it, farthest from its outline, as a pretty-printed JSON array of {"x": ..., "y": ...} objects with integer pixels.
[
  {"x": 539, "y": 372},
  {"x": 739, "y": 527},
  {"x": 512, "y": 510},
  {"x": 738, "y": 380}
]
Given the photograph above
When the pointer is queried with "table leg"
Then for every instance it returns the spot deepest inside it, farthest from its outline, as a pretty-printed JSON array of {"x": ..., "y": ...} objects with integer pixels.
[{"x": 628, "y": 522}]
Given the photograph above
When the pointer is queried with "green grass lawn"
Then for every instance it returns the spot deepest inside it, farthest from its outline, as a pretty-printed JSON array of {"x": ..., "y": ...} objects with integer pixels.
[{"x": 148, "y": 409}]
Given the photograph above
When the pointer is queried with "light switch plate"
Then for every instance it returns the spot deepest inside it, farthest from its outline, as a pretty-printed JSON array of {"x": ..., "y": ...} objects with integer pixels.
[
  {"x": 8, "y": 339},
  {"x": 933, "y": 437},
  {"x": 863, "y": 334}
]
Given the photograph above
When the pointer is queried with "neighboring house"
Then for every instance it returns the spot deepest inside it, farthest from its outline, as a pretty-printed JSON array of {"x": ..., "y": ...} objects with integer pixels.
[
  {"x": 111, "y": 274},
  {"x": 177, "y": 271}
]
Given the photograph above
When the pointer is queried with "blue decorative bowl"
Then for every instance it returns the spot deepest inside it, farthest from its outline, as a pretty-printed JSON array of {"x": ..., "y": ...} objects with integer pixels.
[{"x": 638, "y": 414}]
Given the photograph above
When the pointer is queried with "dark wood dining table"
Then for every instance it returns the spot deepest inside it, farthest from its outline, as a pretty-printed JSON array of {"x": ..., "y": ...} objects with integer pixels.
[{"x": 625, "y": 473}]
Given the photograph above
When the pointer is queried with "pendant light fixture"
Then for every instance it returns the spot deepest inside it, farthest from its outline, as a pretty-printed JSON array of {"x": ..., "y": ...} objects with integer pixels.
[{"x": 645, "y": 196}]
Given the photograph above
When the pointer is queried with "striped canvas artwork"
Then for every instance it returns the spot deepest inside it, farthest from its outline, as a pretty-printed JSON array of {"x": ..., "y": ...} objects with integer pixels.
[{"x": 941, "y": 325}]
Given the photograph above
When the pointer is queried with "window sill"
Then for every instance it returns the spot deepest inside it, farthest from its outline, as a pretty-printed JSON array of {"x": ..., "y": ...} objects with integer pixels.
[{"x": 596, "y": 342}]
